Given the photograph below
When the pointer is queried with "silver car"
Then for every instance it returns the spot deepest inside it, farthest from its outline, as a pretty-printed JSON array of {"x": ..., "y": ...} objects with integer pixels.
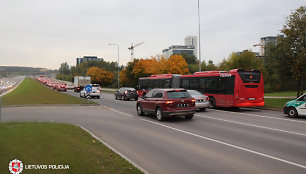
[{"x": 202, "y": 101}]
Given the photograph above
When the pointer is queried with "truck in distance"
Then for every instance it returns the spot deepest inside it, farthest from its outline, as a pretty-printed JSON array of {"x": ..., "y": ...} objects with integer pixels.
[{"x": 80, "y": 82}]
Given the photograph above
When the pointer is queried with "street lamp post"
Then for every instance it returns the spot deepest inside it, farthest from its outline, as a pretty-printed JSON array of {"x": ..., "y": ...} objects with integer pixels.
[
  {"x": 199, "y": 36},
  {"x": 118, "y": 61}
]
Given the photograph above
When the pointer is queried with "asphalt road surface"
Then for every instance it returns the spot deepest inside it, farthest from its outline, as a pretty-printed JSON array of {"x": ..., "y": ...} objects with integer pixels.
[{"x": 215, "y": 141}]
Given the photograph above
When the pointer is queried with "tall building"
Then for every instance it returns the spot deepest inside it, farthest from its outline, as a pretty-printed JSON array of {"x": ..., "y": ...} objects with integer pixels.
[
  {"x": 267, "y": 40},
  {"x": 87, "y": 58},
  {"x": 190, "y": 48},
  {"x": 192, "y": 41}
]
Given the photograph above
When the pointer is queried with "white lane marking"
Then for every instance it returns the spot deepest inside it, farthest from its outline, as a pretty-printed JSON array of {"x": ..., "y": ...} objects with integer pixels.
[
  {"x": 119, "y": 112},
  {"x": 252, "y": 125},
  {"x": 262, "y": 116},
  {"x": 113, "y": 149},
  {"x": 227, "y": 144}
]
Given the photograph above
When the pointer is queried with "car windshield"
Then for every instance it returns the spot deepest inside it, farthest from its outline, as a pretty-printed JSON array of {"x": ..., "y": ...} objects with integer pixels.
[
  {"x": 130, "y": 89},
  {"x": 194, "y": 92},
  {"x": 178, "y": 94}
]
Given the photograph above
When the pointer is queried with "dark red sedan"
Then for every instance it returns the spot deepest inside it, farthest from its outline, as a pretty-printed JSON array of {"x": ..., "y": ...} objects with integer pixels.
[{"x": 167, "y": 102}]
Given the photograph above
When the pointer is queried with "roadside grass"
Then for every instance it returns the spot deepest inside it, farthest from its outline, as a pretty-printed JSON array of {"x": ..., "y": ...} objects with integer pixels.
[
  {"x": 276, "y": 103},
  {"x": 30, "y": 91},
  {"x": 281, "y": 94},
  {"x": 57, "y": 144},
  {"x": 103, "y": 90}
]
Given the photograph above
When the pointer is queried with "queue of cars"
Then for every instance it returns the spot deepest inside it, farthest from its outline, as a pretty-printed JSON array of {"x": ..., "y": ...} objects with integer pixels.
[{"x": 53, "y": 84}]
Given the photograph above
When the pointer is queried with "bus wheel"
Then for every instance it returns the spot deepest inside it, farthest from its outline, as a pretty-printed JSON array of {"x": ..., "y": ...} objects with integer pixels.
[
  {"x": 212, "y": 102},
  {"x": 292, "y": 112}
]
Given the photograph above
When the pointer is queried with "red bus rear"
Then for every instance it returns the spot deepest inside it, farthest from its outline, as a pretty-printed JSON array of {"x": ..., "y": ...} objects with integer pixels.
[{"x": 236, "y": 88}]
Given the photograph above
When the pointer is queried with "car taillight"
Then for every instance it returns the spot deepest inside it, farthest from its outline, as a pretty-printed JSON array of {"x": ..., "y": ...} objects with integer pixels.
[
  {"x": 126, "y": 92},
  {"x": 169, "y": 102},
  {"x": 207, "y": 98}
]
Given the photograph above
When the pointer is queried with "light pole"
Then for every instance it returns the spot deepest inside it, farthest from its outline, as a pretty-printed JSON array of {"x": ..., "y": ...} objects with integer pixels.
[
  {"x": 118, "y": 60},
  {"x": 199, "y": 36}
]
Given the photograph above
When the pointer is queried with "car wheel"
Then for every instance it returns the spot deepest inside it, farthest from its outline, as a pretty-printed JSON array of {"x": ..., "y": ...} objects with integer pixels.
[
  {"x": 189, "y": 117},
  {"x": 159, "y": 114},
  {"x": 122, "y": 97},
  {"x": 136, "y": 99},
  {"x": 202, "y": 109},
  {"x": 80, "y": 95},
  {"x": 98, "y": 97},
  {"x": 292, "y": 112},
  {"x": 116, "y": 98},
  {"x": 212, "y": 102},
  {"x": 139, "y": 110}
]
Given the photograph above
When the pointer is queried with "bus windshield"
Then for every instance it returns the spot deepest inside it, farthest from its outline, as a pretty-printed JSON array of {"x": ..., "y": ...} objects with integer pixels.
[{"x": 250, "y": 76}]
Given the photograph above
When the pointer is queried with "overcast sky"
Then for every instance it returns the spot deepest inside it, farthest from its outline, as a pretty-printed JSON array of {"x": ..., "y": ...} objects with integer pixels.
[{"x": 46, "y": 33}]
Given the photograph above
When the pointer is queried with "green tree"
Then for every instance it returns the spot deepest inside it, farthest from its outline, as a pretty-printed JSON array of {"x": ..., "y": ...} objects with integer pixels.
[
  {"x": 64, "y": 69},
  {"x": 190, "y": 59},
  {"x": 245, "y": 60},
  {"x": 209, "y": 67},
  {"x": 295, "y": 38}
]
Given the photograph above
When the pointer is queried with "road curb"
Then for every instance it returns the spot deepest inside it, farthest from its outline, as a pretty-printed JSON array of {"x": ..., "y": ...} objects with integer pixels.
[
  {"x": 271, "y": 109},
  {"x": 116, "y": 151}
]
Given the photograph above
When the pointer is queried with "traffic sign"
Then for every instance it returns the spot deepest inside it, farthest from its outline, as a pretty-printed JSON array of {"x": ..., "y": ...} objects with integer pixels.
[
  {"x": 88, "y": 88},
  {"x": 88, "y": 96}
]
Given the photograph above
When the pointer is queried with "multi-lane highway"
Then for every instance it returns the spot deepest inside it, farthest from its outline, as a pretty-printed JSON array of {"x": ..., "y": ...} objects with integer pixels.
[{"x": 215, "y": 141}]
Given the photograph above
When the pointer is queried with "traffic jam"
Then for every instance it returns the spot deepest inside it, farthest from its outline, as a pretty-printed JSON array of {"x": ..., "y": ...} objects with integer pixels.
[{"x": 169, "y": 95}]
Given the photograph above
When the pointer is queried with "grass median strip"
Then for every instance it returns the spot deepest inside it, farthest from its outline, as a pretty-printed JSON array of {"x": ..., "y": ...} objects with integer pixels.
[
  {"x": 275, "y": 103},
  {"x": 30, "y": 91},
  {"x": 57, "y": 144}
]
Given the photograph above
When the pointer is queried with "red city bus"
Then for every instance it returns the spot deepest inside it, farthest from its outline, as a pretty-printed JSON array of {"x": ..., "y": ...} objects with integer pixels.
[
  {"x": 234, "y": 88},
  {"x": 157, "y": 81}
]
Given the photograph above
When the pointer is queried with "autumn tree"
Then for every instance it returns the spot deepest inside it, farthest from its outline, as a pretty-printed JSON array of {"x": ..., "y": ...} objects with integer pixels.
[
  {"x": 100, "y": 76},
  {"x": 295, "y": 39},
  {"x": 176, "y": 64}
]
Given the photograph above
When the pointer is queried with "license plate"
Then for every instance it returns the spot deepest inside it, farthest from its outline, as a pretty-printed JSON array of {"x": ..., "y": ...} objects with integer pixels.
[
  {"x": 251, "y": 98},
  {"x": 182, "y": 105}
]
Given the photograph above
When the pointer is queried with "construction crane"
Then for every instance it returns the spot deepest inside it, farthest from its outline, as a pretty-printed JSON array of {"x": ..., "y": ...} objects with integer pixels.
[
  {"x": 132, "y": 49},
  {"x": 261, "y": 48}
]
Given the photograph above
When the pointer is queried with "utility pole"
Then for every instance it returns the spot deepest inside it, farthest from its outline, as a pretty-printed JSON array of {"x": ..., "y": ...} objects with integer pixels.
[{"x": 199, "y": 36}]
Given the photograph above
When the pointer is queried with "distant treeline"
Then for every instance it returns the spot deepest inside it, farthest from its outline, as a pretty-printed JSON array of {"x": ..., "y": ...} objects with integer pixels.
[{"x": 7, "y": 71}]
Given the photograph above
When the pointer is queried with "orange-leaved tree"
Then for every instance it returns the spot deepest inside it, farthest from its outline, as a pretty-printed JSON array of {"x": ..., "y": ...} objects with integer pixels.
[
  {"x": 176, "y": 64},
  {"x": 100, "y": 76}
]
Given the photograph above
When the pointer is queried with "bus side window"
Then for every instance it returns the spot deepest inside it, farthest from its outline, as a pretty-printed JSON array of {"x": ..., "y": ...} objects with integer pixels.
[
  {"x": 211, "y": 85},
  {"x": 202, "y": 85},
  {"x": 185, "y": 84},
  {"x": 166, "y": 83},
  {"x": 195, "y": 84}
]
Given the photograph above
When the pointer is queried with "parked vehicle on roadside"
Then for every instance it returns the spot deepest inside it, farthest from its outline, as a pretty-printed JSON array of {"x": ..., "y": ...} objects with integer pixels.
[
  {"x": 297, "y": 107},
  {"x": 94, "y": 93},
  {"x": 167, "y": 102},
  {"x": 201, "y": 101},
  {"x": 126, "y": 93}
]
